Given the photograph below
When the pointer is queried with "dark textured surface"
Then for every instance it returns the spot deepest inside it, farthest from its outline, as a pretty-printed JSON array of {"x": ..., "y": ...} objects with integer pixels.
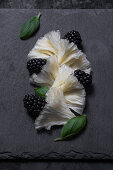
[
  {"x": 77, "y": 165},
  {"x": 18, "y": 137},
  {"x": 56, "y": 4},
  {"x": 55, "y": 165}
]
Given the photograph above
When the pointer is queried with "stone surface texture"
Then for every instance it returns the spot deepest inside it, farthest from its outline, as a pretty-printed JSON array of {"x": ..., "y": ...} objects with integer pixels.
[
  {"x": 18, "y": 138},
  {"x": 56, "y": 4}
]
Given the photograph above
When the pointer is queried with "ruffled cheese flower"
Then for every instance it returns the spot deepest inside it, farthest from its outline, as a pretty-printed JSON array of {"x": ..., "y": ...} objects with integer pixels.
[
  {"x": 56, "y": 111},
  {"x": 65, "y": 93},
  {"x": 67, "y": 53},
  {"x": 74, "y": 92},
  {"x": 58, "y": 74}
]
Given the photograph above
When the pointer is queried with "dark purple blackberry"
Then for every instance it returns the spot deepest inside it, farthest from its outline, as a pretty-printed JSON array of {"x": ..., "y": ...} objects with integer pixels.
[
  {"x": 74, "y": 36},
  {"x": 84, "y": 78},
  {"x": 35, "y": 65},
  {"x": 34, "y": 104}
]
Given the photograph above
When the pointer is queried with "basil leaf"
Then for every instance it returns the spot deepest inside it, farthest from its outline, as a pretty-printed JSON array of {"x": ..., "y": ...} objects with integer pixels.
[
  {"x": 41, "y": 91},
  {"x": 72, "y": 127},
  {"x": 30, "y": 27}
]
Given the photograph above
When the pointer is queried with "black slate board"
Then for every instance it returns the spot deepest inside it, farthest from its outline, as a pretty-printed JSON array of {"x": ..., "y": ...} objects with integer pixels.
[{"x": 18, "y": 138}]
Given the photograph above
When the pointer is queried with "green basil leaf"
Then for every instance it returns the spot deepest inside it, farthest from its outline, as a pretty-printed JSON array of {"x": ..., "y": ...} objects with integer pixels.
[
  {"x": 30, "y": 27},
  {"x": 41, "y": 91},
  {"x": 72, "y": 127}
]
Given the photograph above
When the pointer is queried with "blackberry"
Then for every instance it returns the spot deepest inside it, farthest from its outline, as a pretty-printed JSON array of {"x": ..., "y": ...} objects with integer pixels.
[
  {"x": 74, "y": 36},
  {"x": 34, "y": 104},
  {"x": 35, "y": 65},
  {"x": 84, "y": 78}
]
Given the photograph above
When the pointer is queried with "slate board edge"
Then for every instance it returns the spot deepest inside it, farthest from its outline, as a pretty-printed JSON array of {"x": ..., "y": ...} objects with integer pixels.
[{"x": 73, "y": 155}]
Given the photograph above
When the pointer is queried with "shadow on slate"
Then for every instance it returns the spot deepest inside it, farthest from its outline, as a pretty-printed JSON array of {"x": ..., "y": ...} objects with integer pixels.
[{"x": 18, "y": 137}]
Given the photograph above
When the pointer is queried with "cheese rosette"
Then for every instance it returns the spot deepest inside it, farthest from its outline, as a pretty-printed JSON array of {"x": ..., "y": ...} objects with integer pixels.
[
  {"x": 74, "y": 92},
  {"x": 67, "y": 53},
  {"x": 55, "y": 112},
  {"x": 65, "y": 93}
]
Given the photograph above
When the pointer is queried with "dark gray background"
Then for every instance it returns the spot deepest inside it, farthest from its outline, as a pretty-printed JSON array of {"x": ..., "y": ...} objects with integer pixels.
[
  {"x": 45, "y": 164},
  {"x": 56, "y": 165},
  {"x": 56, "y": 4}
]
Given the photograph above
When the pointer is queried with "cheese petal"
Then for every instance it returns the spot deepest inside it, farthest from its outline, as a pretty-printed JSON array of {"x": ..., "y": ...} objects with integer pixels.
[
  {"x": 76, "y": 100},
  {"x": 46, "y": 46},
  {"x": 56, "y": 111},
  {"x": 70, "y": 55},
  {"x": 79, "y": 61},
  {"x": 66, "y": 79},
  {"x": 65, "y": 50}
]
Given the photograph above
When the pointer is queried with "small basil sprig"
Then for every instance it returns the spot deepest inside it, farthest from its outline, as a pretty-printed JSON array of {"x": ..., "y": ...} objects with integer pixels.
[
  {"x": 41, "y": 91},
  {"x": 30, "y": 27},
  {"x": 72, "y": 127}
]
